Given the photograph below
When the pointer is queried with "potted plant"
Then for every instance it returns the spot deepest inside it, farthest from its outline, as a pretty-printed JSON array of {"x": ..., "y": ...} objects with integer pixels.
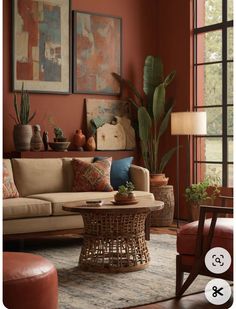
[
  {"x": 22, "y": 132},
  {"x": 59, "y": 135},
  {"x": 153, "y": 115},
  {"x": 125, "y": 193},
  {"x": 202, "y": 192}
]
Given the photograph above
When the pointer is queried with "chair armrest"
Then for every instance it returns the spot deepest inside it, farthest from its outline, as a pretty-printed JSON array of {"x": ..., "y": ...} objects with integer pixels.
[{"x": 140, "y": 178}]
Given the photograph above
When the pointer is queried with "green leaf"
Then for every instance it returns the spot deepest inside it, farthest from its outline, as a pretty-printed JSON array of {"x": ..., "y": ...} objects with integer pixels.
[
  {"x": 165, "y": 122},
  {"x": 166, "y": 158},
  {"x": 130, "y": 85},
  {"x": 16, "y": 108},
  {"x": 169, "y": 78},
  {"x": 145, "y": 123},
  {"x": 152, "y": 75},
  {"x": 159, "y": 102}
]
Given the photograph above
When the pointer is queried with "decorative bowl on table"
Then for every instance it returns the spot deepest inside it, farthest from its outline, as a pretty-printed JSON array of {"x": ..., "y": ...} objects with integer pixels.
[
  {"x": 124, "y": 199},
  {"x": 59, "y": 146}
]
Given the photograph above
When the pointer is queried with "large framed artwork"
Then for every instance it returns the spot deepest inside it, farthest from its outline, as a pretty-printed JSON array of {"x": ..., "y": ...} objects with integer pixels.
[
  {"x": 97, "y": 53},
  {"x": 41, "y": 45}
]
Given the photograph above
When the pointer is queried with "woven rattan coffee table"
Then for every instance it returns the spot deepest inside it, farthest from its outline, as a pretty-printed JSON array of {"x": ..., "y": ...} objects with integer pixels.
[{"x": 114, "y": 238}]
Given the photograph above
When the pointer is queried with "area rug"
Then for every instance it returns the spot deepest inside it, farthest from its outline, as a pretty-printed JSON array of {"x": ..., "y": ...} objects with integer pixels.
[{"x": 85, "y": 290}]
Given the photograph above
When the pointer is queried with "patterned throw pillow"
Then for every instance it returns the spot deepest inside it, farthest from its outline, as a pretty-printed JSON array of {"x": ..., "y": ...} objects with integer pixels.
[
  {"x": 92, "y": 176},
  {"x": 9, "y": 188}
]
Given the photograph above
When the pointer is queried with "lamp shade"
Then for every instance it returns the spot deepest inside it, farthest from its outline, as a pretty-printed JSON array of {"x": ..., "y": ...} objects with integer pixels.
[{"x": 188, "y": 123}]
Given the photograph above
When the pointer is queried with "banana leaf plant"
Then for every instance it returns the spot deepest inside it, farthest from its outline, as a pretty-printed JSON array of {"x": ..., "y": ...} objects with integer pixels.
[{"x": 153, "y": 112}]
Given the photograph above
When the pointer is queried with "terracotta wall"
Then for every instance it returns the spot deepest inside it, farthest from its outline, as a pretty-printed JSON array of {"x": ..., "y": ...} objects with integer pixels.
[
  {"x": 68, "y": 110},
  {"x": 149, "y": 27}
]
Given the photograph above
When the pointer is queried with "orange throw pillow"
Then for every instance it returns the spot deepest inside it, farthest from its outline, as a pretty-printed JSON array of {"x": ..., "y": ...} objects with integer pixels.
[
  {"x": 9, "y": 187},
  {"x": 92, "y": 176}
]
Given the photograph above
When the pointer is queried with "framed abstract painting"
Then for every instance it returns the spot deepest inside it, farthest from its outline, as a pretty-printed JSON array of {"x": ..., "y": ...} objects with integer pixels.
[
  {"x": 97, "y": 53},
  {"x": 41, "y": 45}
]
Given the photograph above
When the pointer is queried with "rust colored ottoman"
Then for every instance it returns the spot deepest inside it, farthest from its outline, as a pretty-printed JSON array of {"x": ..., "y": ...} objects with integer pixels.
[{"x": 29, "y": 282}]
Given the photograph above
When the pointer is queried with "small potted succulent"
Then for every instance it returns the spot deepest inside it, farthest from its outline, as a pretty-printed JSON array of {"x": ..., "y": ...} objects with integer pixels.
[
  {"x": 59, "y": 135},
  {"x": 125, "y": 193}
]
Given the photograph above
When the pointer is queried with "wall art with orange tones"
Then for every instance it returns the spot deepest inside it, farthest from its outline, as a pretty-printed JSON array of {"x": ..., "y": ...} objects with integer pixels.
[
  {"x": 97, "y": 53},
  {"x": 41, "y": 45}
]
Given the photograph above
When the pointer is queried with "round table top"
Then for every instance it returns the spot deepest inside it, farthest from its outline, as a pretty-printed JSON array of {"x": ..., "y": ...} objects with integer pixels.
[{"x": 108, "y": 205}]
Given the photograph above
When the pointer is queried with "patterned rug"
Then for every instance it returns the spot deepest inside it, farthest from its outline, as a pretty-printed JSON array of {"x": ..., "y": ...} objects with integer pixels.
[{"x": 85, "y": 290}]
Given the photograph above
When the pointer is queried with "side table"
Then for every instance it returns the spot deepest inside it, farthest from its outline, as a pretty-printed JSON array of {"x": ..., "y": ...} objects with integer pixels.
[{"x": 163, "y": 217}]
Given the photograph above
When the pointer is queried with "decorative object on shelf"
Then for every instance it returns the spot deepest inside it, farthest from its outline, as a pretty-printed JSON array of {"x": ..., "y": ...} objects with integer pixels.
[
  {"x": 157, "y": 180},
  {"x": 93, "y": 62},
  {"x": 91, "y": 144},
  {"x": 41, "y": 45},
  {"x": 188, "y": 124},
  {"x": 111, "y": 137},
  {"x": 197, "y": 194},
  {"x": 125, "y": 194},
  {"x": 59, "y": 135},
  {"x": 153, "y": 112},
  {"x": 36, "y": 142},
  {"x": 163, "y": 217},
  {"x": 45, "y": 140},
  {"x": 79, "y": 140},
  {"x": 22, "y": 132},
  {"x": 104, "y": 110},
  {"x": 59, "y": 146}
]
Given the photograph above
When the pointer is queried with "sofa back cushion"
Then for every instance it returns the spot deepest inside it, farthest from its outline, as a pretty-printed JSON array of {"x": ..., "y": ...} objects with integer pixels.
[{"x": 35, "y": 176}]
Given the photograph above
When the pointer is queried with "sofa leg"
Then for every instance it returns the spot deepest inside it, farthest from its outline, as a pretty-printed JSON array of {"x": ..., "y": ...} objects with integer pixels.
[{"x": 179, "y": 275}]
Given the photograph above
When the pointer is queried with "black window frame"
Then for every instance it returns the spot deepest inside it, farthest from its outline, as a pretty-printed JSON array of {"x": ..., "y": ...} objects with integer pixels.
[{"x": 224, "y": 26}]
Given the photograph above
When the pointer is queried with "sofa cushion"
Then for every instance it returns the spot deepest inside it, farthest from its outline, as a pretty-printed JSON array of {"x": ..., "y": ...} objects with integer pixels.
[
  {"x": 72, "y": 198},
  {"x": 92, "y": 176},
  {"x": 9, "y": 188},
  {"x": 119, "y": 171},
  {"x": 68, "y": 170},
  {"x": 223, "y": 235},
  {"x": 33, "y": 176},
  {"x": 16, "y": 208}
]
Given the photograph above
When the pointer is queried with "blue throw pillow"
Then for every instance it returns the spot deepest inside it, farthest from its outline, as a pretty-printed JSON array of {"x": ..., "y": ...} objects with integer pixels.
[{"x": 119, "y": 171}]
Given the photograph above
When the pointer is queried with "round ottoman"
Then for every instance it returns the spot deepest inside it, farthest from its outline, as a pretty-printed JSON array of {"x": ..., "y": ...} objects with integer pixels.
[{"x": 29, "y": 281}]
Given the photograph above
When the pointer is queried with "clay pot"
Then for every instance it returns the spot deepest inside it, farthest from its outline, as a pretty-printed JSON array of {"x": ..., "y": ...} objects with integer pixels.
[
  {"x": 22, "y": 136},
  {"x": 79, "y": 139},
  {"x": 119, "y": 197},
  {"x": 36, "y": 142},
  {"x": 195, "y": 211},
  {"x": 91, "y": 144},
  {"x": 157, "y": 180}
]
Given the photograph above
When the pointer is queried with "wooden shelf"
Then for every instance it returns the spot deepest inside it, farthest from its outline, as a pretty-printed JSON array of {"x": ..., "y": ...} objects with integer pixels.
[{"x": 115, "y": 154}]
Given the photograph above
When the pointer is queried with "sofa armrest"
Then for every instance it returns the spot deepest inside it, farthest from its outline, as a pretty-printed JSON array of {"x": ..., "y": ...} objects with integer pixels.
[{"x": 140, "y": 178}]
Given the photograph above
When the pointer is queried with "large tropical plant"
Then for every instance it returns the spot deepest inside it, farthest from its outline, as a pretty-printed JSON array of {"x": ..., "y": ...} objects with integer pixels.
[{"x": 153, "y": 112}]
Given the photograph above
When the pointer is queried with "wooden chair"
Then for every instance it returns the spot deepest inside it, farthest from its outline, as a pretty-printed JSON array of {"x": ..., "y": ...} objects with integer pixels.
[{"x": 196, "y": 238}]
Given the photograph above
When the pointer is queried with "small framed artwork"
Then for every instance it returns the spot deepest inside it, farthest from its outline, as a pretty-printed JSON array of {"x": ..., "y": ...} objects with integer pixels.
[
  {"x": 96, "y": 53},
  {"x": 41, "y": 45}
]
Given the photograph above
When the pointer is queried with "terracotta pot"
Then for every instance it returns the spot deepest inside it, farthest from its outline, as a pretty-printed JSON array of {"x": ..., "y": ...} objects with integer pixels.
[
  {"x": 157, "y": 180},
  {"x": 195, "y": 211},
  {"x": 22, "y": 135},
  {"x": 91, "y": 144},
  {"x": 118, "y": 197},
  {"x": 79, "y": 139}
]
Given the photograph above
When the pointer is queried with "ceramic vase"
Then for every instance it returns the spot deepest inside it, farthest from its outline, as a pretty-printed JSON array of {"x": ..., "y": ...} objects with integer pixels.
[
  {"x": 158, "y": 180},
  {"x": 91, "y": 144},
  {"x": 36, "y": 142},
  {"x": 22, "y": 136},
  {"x": 79, "y": 140}
]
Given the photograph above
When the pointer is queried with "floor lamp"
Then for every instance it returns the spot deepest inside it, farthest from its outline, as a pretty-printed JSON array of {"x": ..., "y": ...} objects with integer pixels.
[{"x": 186, "y": 123}]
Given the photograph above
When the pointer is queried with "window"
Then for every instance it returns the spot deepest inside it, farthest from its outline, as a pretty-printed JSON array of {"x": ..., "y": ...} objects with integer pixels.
[{"x": 213, "y": 88}]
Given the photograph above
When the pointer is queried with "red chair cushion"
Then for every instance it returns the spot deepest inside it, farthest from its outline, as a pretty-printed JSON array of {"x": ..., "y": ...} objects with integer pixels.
[{"x": 223, "y": 235}]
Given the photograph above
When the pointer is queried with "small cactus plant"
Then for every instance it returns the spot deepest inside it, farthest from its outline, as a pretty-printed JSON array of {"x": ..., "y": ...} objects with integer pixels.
[{"x": 23, "y": 116}]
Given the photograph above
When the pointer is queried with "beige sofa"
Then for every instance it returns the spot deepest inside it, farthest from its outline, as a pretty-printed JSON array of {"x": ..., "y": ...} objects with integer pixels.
[{"x": 45, "y": 186}]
